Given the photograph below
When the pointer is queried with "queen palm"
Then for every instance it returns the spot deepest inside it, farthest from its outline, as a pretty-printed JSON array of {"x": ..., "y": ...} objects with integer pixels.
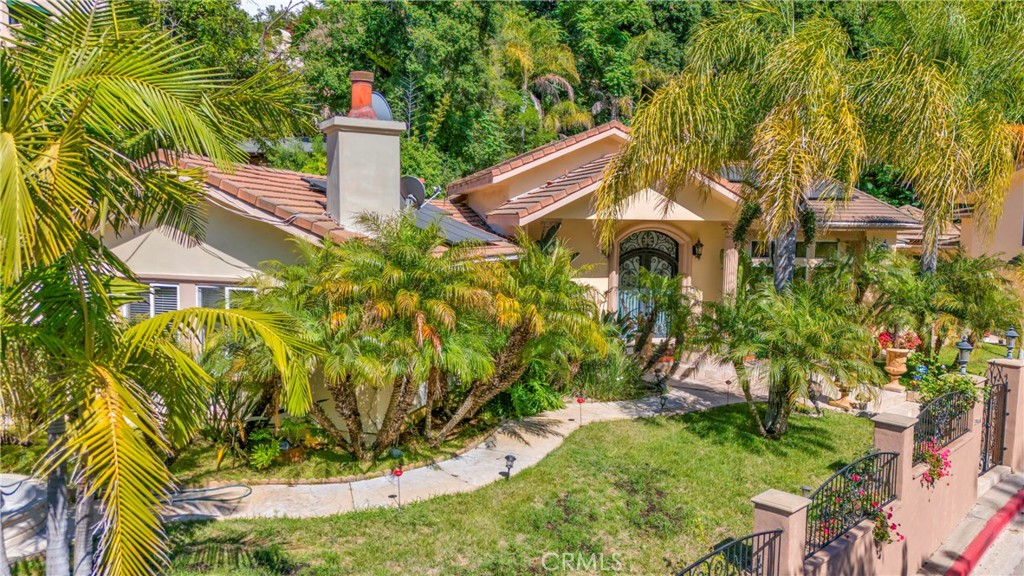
[
  {"x": 943, "y": 89},
  {"x": 87, "y": 97},
  {"x": 761, "y": 90}
]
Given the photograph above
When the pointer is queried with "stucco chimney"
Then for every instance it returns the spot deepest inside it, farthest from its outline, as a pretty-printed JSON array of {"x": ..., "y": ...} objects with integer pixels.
[{"x": 363, "y": 161}]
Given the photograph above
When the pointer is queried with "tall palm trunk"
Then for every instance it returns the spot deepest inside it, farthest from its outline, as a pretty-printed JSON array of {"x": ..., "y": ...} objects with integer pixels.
[
  {"x": 83, "y": 529},
  {"x": 778, "y": 408},
  {"x": 930, "y": 254},
  {"x": 58, "y": 557},
  {"x": 785, "y": 254}
]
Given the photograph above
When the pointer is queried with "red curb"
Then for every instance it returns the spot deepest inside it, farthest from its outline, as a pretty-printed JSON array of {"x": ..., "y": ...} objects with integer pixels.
[{"x": 970, "y": 556}]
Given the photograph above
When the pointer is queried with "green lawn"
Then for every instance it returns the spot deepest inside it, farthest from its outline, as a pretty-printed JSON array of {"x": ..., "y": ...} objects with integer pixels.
[
  {"x": 978, "y": 363},
  {"x": 658, "y": 492}
]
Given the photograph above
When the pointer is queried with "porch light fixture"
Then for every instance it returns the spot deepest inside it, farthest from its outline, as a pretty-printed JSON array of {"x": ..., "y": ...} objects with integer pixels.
[
  {"x": 698, "y": 249},
  {"x": 1011, "y": 341},
  {"x": 509, "y": 461},
  {"x": 963, "y": 348}
]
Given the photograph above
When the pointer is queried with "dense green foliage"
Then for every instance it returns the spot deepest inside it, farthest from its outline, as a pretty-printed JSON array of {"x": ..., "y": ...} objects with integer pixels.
[{"x": 660, "y": 492}]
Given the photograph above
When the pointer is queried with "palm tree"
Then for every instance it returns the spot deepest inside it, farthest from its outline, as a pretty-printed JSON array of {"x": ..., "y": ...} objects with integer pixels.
[
  {"x": 531, "y": 50},
  {"x": 413, "y": 301},
  {"x": 120, "y": 396},
  {"x": 762, "y": 90},
  {"x": 87, "y": 97},
  {"x": 806, "y": 336},
  {"x": 539, "y": 306},
  {"x": 944, "y": 112}
]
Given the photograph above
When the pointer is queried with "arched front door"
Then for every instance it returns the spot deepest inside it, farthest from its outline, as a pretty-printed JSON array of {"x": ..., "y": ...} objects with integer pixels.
[{"x": 648, "y": 250}]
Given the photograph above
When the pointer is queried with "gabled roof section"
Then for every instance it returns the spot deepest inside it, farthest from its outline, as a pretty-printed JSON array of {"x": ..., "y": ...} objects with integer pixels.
[
  {"x": 573, "y": 184},
  {"x": 861, "y": 210},
  {"x": 492, "y": 174},
  {"x": 292, "y": 197},
  {"x": 948, "y": 239}
]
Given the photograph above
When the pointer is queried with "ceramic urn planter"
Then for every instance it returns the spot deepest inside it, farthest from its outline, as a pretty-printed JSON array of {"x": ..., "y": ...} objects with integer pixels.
[{"x": 896, "y": 366}]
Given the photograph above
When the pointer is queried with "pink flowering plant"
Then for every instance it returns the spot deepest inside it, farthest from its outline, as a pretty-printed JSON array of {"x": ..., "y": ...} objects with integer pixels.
[
  {"x": 937, "y": 458},
  {"x": 907, "y": 340},
  {"x": 886, "y": 531}
]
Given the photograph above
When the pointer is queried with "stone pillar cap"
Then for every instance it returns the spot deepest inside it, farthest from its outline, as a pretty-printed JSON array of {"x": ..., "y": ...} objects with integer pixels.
[
  {"x": 779, "y": 501},
  {"x": 894, "y": 421}
]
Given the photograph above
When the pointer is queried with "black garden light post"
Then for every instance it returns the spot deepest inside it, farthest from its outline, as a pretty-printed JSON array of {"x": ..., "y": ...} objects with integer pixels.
[
  {"x": 963, "y": 350},
  {"x": 509, "y": 461},
  {"x": 661, "y": 377},
  {"x": 1011, "y": 341}
]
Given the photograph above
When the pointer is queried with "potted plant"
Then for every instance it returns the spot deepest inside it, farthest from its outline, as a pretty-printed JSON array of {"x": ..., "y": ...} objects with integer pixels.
[{"x": 897, "y": 347}]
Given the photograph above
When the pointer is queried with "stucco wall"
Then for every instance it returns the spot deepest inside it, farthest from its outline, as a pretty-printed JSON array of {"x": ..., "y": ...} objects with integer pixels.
[
  {"x": 234, "y": 247},
  {"x": 1006, "y": 239}
]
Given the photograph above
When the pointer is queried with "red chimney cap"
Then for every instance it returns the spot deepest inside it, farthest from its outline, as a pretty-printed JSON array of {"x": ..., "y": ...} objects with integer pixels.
[{"x": 362, "y": 95}]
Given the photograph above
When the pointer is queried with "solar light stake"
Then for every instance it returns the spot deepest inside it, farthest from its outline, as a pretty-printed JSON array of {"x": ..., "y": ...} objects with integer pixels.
[
  {"x": 509, "y": 461},
  {"x": 398, "y": 478},
  {"x": 580, "y": 400}
]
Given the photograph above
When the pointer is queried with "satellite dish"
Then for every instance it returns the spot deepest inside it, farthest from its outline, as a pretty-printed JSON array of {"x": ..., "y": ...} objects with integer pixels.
[
  {"x": 412, "y": 191},
  {"x": 380, "y": 106}
]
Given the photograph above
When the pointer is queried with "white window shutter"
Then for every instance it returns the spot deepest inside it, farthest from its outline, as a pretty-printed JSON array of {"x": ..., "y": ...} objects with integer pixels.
[{"x": 165, "y": 299}]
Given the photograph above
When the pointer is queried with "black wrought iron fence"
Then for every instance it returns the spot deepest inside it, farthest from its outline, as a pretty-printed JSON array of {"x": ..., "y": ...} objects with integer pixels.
[
  {"x": 993, "y": 429},
  {"x": 753, "y": 555},
  {"x": 849, "y": 496},
  {"x": 943, "y": 420}
]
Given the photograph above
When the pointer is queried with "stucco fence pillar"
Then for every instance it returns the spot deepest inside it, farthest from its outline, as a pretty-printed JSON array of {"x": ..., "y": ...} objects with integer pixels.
[
  {"x": 778, "y": 510},
  {"x": 1013, "y": 433}
]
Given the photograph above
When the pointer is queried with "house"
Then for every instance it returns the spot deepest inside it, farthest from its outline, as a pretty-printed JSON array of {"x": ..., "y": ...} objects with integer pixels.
[
  {"x": 555, "y": 184},
  {"x": 1006, "y": 238},
  {"x": 255, "y": 213}
]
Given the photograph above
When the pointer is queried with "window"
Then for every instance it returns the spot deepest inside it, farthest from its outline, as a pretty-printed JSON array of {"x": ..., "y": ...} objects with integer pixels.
[
  {"x": 221, "y": 296},
  {"x": 825, "y": 249},
  {"x": 161, "y": 298}
]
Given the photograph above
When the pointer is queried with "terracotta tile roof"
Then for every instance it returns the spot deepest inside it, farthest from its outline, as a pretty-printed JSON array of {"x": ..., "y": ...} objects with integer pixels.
[
  {"x": 569, "y": 184},
  {"x": 487, "y": 175},
  {"x": 950, "y": 237},
  {"x": 861, "y": 210},
  {"x": 281, "y": 193}
]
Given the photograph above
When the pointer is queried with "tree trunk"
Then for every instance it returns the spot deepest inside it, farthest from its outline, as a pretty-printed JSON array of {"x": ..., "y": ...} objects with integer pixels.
[
  {"x": 929, "y": 254},
  {"x": 324, "y": 421},
  {"x": 784, "y": 254},
  {"x": 346, "y": 403},
  {"x": 749, "y": 396},
  {"x": 780, "y": 404},
  {"x": 433, "y": 393},
  {"x": 508, "y": 370},
  {"x": 58, "y": 557},
  {"x": 402, "y": 398},
  {"x": 83, "y": 529}
]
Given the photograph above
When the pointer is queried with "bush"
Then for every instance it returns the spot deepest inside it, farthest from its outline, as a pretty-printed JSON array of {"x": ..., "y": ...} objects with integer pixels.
[
  {"x": 931, "y": 379},
  {"x": 264, "y": 448}
]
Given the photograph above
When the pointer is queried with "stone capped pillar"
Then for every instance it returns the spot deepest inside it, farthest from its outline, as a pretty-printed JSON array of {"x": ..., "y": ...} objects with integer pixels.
[
  {"x": 778, "y": 510},
  {"x": 895, "y": 433}
]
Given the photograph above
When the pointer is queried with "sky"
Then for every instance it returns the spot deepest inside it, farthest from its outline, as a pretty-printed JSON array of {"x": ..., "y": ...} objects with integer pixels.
[{"x": 255, "y": 6}]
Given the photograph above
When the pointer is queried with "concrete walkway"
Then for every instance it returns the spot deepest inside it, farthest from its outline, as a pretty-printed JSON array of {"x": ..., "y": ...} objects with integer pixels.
[
  {"x": 996, "y": 489},
  {"x": 528, "y": 440}
]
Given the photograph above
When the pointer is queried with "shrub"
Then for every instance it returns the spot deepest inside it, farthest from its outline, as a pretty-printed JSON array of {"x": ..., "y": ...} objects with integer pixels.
[{"x": 264, "y": 448}]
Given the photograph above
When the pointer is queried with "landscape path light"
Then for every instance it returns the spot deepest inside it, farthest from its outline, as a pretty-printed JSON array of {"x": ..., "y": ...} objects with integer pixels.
[
  {"x": 1011, "y": 341},
  {"x": 963, "y": 350},
  {"x": 509, "y": 461}
]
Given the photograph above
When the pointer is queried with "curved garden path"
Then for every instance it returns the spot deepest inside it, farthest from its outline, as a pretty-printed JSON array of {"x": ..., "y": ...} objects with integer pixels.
[{"x": 529, "y": 440}]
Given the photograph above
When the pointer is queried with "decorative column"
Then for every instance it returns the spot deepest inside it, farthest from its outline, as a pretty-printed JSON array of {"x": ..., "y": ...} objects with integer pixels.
[
  {"x": 895, "y": 433},
  {"x": 778, "y": 510},
  {"x": 1013, "y": 437},
  {"x": 730, "y": 263},
  {"x": 612, "y": 302}
]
